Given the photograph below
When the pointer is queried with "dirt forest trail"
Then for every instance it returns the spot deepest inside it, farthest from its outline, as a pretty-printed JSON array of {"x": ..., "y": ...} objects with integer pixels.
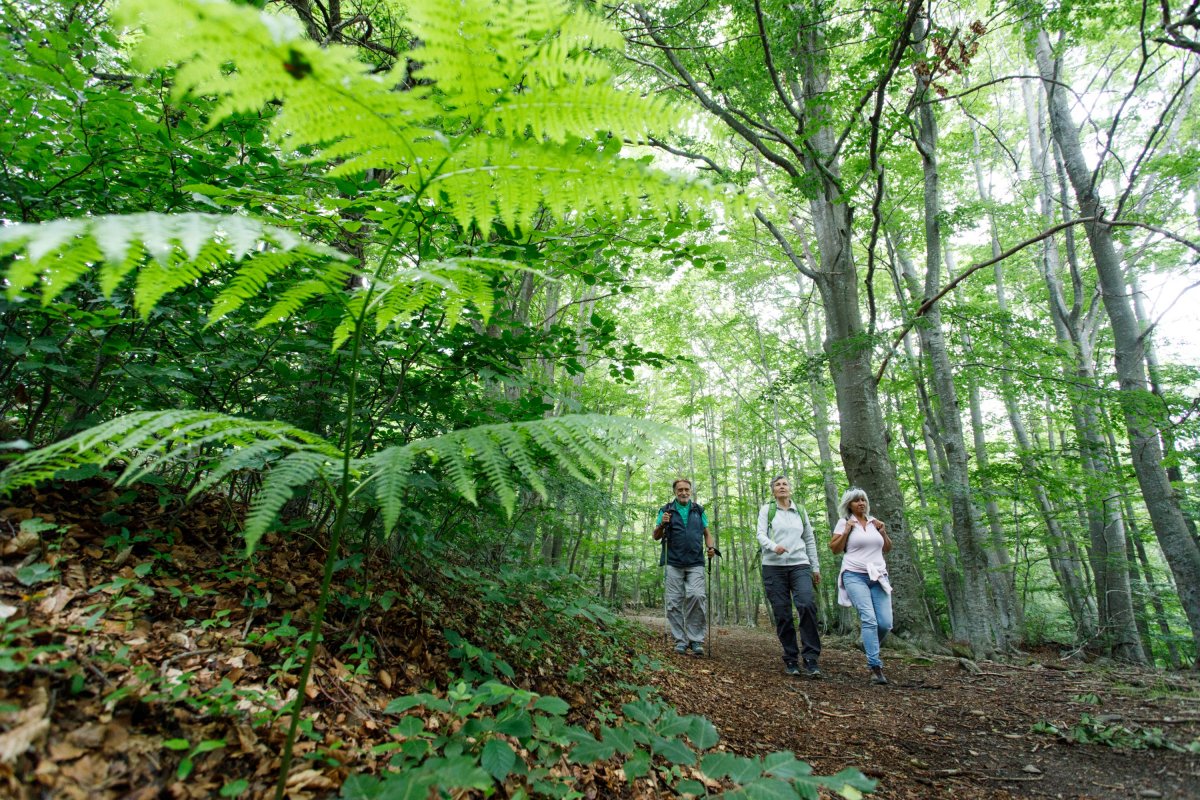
[{"x": 939, "y": 730}]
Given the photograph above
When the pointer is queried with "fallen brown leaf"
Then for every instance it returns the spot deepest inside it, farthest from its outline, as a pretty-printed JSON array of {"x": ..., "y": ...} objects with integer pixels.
[{"x": 15, "y": 742}]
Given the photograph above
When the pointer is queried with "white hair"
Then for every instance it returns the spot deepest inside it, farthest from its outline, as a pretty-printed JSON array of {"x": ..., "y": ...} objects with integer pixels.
[{"x": 852, "y": 494}]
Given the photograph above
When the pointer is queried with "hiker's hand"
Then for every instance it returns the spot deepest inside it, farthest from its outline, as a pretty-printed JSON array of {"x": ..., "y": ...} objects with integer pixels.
[
  {"x": 816, "y": 579},
  {"x": 780, "y": 549},
  {"x": 881, "y": 526}
]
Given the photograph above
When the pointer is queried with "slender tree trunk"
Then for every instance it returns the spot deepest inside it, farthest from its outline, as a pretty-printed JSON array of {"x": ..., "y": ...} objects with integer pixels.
[
  {"x": 1142, "y": 415},
  {"x": 614, "y": 595},
  {"x": 946, "y": 555},
  {"x": 985, "y": 616},
  {"x": 1075, "y": 329},
  {"x": 1174, "y": 473},
  {"x": 732, "y": 540}
]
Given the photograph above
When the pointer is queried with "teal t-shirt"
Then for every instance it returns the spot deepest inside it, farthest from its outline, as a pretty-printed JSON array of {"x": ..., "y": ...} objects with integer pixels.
[{"x": 683, "y": 512}]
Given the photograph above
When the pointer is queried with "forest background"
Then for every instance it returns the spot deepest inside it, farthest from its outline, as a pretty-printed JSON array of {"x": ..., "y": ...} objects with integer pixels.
[{"x": 938, "y": 251}]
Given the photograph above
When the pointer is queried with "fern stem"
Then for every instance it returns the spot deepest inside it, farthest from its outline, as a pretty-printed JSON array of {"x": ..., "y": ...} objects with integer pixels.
[{"x": 335, "y": 539}]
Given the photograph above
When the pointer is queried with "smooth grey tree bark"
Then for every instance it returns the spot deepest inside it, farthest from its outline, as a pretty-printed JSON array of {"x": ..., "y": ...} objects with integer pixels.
[
  {"x": 941, "y": 533},
  {"x": 1174, "y": 473},
  {"x": 1001, "y": 570},
  {"x": 1141, "y": 412},
  {"x": 989, "y": 624},
  {"x": 1064, "y": 566},
  {"x": 1075, "y": 325}
]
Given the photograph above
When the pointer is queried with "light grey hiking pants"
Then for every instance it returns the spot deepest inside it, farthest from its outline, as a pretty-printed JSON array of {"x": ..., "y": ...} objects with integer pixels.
[{"x": 686, "y": 603}]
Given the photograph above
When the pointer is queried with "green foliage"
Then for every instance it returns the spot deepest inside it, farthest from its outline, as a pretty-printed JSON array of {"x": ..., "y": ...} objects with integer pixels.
[
  {"x": 492, "y": 141},
  {"x": 495, "y": 137},
  {"x": 471, "y": 737},
  {"x": 20, "y": 648},
  {"x": 1098, "y": 730},
  {"x": 180, "y": 248},
  {"x": 187, "y": 763}
]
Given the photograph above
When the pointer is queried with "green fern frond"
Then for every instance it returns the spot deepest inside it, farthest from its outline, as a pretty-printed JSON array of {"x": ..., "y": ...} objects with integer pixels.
[
  {"x": 328, "y": 95},
  {"x": 152, "y": 439},
  {"x": 254, "y": 276},
  {"x": 389, "y": 470},
  {"x": 250, "y": 457},
  {"x": 561, "y": 114},
  {"x": 457, "y": 282},
  {"x": 581, "y": 444},
  {"x": 512, "y": 179},
  {"x": 515, "y": 448},
  {"x": 489, "y": 454},
  {"x": 562, "y": 446},
  {"x": 475, "y": 49},
  {"x": 283, "y": 478},
  {"x": 449, "y": 453},
  {"x": 180, "y": 248},
  {"x": 520, "y": 75},
  {"x": 292, "y": 301}
]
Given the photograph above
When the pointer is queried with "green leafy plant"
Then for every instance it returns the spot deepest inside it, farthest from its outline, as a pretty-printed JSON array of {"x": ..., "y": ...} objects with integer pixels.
[
  {"x": 498, "y": 130},
  {"x": 35, "y": 573},
  {"x": 479, "y": 734},
  {"x": 1094, "y": 730},
  {"x": 19, "y": 649},
  {"x": 188, "y": 762}
]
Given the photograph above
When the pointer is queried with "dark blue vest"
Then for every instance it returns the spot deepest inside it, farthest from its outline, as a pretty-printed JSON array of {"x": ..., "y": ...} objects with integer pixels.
[{"x": 684, "y": 547}]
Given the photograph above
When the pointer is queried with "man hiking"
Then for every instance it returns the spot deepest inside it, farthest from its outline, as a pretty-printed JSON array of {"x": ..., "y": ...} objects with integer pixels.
[{"x": 682, "y": 526}]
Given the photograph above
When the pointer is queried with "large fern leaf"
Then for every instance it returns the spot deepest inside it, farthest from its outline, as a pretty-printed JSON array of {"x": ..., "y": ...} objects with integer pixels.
[
  {"x": 506, "y": 454},
  {"x": 284, "y": 477},
  {"x": 514, "y": 87},
  {"x": 249, "y": 58},
  {"x": 174, "y": 250},
  {"x": 153, "y": 439}
]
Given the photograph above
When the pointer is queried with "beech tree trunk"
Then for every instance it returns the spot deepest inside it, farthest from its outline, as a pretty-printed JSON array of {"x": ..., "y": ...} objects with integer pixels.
[
  {"x": 1141, "y": 413},
  {"x": 862, "y": 443},
  {"x": 985, "y": 617},
  {"x": 1075, "y": 327}
]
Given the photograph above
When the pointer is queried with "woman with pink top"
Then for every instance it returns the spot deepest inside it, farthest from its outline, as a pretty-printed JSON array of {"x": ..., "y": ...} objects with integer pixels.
[{"x": 863, "y": 582}]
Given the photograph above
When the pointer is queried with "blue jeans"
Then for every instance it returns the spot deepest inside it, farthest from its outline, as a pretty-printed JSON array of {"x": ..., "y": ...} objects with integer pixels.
[{"x": 874, "y": 606}]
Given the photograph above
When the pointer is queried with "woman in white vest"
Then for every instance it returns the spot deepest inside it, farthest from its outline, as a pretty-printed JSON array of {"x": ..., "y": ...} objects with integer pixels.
[
  {"x": 863, "y": 582},
  {"x": 790, "y": 570}
]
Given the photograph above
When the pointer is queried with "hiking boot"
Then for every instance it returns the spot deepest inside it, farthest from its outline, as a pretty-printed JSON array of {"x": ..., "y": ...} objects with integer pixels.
[
  {"x": 681, "y": 648},
  {"x": 697, "y": 649},
  {"x": 812, "y": 672},
  {"x": 877, "y": 676},
  {"x": 793, "y": 670}
]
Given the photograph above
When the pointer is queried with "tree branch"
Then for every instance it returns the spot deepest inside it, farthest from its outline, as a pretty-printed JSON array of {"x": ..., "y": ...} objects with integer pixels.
[
  {"x": 880, "y": 88},
  {"x": 797, "y": 262},
  {"x": 712, "y": 105},
  {"x": 949, "y": 287}
]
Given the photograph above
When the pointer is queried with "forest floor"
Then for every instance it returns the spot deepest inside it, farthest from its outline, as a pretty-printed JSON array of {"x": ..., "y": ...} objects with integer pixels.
[
  {"x": 143, "y": 656},
  {"x": 940, "y": 729}
]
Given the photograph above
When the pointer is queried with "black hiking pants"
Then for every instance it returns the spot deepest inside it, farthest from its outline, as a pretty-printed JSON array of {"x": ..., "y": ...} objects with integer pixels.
[{"x": 785, "y": 587}]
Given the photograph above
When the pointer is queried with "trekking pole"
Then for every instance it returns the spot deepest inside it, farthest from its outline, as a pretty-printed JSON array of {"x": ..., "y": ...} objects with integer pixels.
[
  {"x": 708, "y": 598},
  {"x": 708, "y": 604},
  {"x": 665, "y": 554}
]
